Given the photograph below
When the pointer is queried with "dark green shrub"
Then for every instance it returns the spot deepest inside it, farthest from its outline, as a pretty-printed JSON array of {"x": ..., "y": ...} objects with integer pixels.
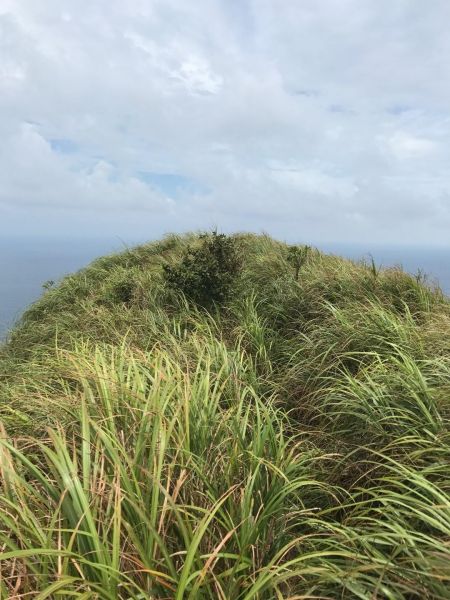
[{"x": 206, "y": 275}]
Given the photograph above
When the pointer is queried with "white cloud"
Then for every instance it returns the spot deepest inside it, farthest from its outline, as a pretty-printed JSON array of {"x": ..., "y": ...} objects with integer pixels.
[
  {"x": 315, "y": 181},
  {"x": 405, "y": 146},
  {"x": 198, "y": 78},
  {"x": 34, "y": 175},
  {"x": 322, "y": 118}
]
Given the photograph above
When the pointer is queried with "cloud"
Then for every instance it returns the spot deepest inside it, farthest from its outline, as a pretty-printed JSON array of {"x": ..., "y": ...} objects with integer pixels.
[
  {"x": 405, "y": 146},
  {"x": 37, "y": 174},
  {"x": 321, "y": 119}
]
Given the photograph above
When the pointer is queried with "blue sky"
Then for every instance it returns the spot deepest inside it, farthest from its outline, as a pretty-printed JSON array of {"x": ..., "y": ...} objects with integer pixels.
[{"x": 314, "y": 120}]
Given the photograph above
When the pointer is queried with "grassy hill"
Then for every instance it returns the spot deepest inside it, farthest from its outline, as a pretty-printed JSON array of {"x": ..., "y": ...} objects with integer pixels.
[{"x": 212, "y": 417}]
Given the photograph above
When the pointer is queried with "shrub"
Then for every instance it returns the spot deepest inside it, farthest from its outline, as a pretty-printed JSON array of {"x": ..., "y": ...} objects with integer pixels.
[{"x": 206, "y": 275}]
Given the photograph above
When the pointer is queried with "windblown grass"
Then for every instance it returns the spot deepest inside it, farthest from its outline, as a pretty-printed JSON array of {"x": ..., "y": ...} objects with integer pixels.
[{"x": 294, "y": 444}]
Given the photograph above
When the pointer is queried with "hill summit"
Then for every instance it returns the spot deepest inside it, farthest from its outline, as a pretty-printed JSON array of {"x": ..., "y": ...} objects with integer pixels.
[{"x": 212, "y": 416}]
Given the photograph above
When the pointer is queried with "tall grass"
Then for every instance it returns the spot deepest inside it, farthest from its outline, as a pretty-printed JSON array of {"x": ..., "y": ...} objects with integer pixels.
[
  {"x": 171, "y": 482},
  {"x": 294, "y": 444}
]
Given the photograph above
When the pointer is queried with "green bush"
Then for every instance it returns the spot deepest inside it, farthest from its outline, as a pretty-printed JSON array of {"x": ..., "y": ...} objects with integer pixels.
[{"x": 207, "y": 274}]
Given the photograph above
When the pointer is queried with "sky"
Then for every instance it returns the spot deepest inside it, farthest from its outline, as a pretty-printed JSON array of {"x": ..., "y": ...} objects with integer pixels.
[{"x": 312, "y": 120}]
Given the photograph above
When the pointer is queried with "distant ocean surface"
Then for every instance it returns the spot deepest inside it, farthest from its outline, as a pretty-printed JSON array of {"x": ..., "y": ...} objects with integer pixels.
[{"x": 26, "y": 264}]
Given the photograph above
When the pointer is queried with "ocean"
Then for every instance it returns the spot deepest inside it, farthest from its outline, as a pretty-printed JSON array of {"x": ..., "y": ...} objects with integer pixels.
[{"x": 25, "y": 264}]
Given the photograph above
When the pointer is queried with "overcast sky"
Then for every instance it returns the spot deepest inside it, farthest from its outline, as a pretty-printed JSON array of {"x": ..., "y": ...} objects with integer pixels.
[{"x": 314, "y": 120}]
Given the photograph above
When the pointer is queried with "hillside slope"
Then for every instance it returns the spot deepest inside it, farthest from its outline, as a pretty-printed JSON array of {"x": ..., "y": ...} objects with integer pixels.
[{"x": 289, "y": 440}]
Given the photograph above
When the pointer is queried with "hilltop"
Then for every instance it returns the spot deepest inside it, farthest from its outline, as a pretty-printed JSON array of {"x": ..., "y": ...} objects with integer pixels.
[{"x": 232, "y": 417}]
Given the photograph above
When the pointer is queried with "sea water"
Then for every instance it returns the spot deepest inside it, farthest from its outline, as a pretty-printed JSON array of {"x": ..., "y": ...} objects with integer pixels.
[{"x": 26, "y": 264}]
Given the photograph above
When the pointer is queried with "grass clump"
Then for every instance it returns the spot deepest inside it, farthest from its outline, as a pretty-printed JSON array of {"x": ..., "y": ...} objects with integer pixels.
[
  {"x": 297, "y": 256},
  {"x": 287, "y": 437}
]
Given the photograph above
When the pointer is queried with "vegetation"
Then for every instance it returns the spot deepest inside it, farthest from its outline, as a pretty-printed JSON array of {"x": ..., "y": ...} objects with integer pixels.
[
  {"x": 287, "y": 437},
  {"x": 206, "y": 274},
  {"x": 297, "y": 256}
]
